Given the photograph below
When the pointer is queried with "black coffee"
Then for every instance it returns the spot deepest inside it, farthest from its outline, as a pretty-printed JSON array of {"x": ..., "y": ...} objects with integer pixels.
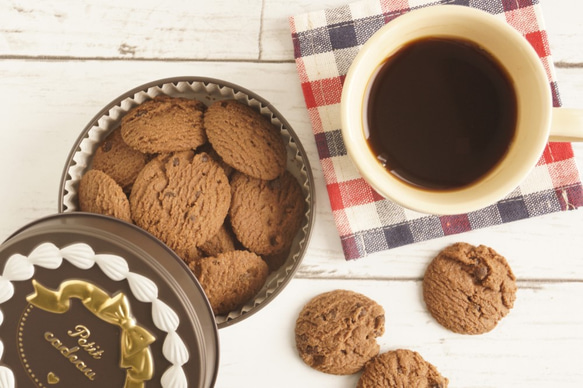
[{"x": 441, "y": 113}]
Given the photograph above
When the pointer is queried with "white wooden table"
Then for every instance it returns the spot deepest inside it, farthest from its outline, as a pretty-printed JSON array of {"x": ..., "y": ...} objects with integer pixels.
[{"x": 61, "y": 61}]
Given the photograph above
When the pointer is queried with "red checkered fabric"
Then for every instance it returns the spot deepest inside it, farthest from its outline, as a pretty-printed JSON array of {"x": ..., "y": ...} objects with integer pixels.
[{"x": 325, "y": 43}]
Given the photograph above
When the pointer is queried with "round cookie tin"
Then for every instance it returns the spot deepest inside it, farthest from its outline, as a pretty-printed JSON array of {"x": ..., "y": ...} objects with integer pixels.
[
  {"x": 90, "y": 301},
  {"x": 206, "y": 90}
]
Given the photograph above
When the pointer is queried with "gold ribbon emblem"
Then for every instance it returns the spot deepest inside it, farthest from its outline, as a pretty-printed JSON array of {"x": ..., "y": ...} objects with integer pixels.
[{"x": 136, "y": 356}]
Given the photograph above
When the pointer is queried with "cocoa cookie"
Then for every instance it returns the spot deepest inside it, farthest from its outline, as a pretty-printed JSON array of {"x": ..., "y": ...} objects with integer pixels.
[
  {"x": 223, "y": 241},
  {"x": 230, "y": 279},
  {"x": 336, "y": 331},
  {"x": 400, "y": 368},
  {"x": 275, "y": 261},
  {"x": 468, "y": 289},
  {"x": 165, "y": 124},
  {"x": 99, "y": 193},
  {"x": 208, "y": 148},
  {"x": 189, "y": 253},
  {"x": 266, "y": 215},
  {"x": 118, "y": 160},
  {"x": 245, "y": 139},
  {"x": 181, "y": 199}
]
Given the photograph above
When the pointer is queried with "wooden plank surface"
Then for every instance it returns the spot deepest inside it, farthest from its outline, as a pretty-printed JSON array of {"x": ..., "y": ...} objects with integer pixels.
[
  {"x": 564, "y": 26},
  {"x": 197, "y": 30},
  {"x": 145, "y": 29}
]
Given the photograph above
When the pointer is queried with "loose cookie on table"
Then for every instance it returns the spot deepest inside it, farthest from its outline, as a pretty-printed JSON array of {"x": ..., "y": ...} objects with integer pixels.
[
  {"x": 118, "y": 160},
  {"x": 165, "y": 124},
  {"x": 468, "y": 289},
  {"x": 99, "y": 193},
  {"x": 245, "y": 139},
  {"x": 400, "y": 369},
  {"x": 336, "y": 331},
  {"x": 182, "y": 199},
  {"x": 266, "y": 215},
  {"x": 230, "y": 279}
]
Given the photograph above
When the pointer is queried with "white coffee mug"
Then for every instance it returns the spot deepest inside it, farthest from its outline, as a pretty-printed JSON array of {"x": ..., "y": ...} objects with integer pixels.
[{"x": 537, "y": 120}]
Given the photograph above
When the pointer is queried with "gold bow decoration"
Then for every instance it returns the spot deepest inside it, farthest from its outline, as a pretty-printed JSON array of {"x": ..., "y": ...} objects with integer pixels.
[{"x": 136, "y": 355}]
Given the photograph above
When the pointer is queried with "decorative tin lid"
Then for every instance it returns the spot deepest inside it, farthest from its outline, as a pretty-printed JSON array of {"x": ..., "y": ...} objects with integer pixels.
[{"x": 87, "y": 300}]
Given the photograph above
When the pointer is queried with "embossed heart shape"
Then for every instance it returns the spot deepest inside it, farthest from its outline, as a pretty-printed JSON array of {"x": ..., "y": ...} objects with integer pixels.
[{"x": 52, "y": 378}]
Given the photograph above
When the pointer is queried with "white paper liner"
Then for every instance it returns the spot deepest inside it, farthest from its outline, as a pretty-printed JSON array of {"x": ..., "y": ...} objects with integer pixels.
[{"x": 206, "y": 91}]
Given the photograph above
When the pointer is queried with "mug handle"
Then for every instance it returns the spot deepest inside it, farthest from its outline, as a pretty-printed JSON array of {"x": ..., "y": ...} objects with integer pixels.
[{"x": 567, "y": 125}]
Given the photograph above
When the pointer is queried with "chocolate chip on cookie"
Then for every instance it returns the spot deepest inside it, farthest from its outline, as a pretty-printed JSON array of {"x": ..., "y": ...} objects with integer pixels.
[
  {"x": 210, "y": 151},
  {"x": 118, "y": 160},
  {"x": 401, "y": 368},
  {"x": 182, "y": 199},
  {"x": 230, "y": 279},
  {"x": 336, "y": 331},
  {"x": 99, "y": 193},
  {"x": 165, "y": 124},
  {"x": 469, "y": 289},
  {"x": 245, "y": 139}
]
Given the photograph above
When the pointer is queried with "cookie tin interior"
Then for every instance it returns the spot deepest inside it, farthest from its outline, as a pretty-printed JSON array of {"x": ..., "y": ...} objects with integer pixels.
[
  {"x": 87, "y": 300},
  {"x": 206, "y": 90}
]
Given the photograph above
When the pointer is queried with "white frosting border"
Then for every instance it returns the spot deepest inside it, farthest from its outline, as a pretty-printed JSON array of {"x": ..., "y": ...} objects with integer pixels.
[{"x": 82, "y": 256}]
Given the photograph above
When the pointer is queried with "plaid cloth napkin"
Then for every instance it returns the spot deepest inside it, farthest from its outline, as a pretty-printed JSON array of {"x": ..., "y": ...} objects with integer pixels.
[{"x": 325, "y": 43}]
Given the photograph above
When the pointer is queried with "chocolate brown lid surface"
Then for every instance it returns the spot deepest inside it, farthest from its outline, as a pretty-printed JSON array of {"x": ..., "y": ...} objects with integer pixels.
[{"x": 87, "y": 300}]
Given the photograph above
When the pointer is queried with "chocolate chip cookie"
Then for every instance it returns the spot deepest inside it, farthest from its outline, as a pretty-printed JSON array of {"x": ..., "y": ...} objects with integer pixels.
[
  {"x": 401, "y": 368},
  {"x": 266, "y": 215},
  {"x": 182, "y": 199},
  {"x": 230, "y": 279},
  {"x": 223, "y": 241},
  {"x": 468, "y": 289},
  {"x": 336, "y": 331},
  {"x": 245, "y": 139},
  {"x": 165, "y": 124},
  {"x": 99, "y": 193},
  {"x": 118, "y": 160}
]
